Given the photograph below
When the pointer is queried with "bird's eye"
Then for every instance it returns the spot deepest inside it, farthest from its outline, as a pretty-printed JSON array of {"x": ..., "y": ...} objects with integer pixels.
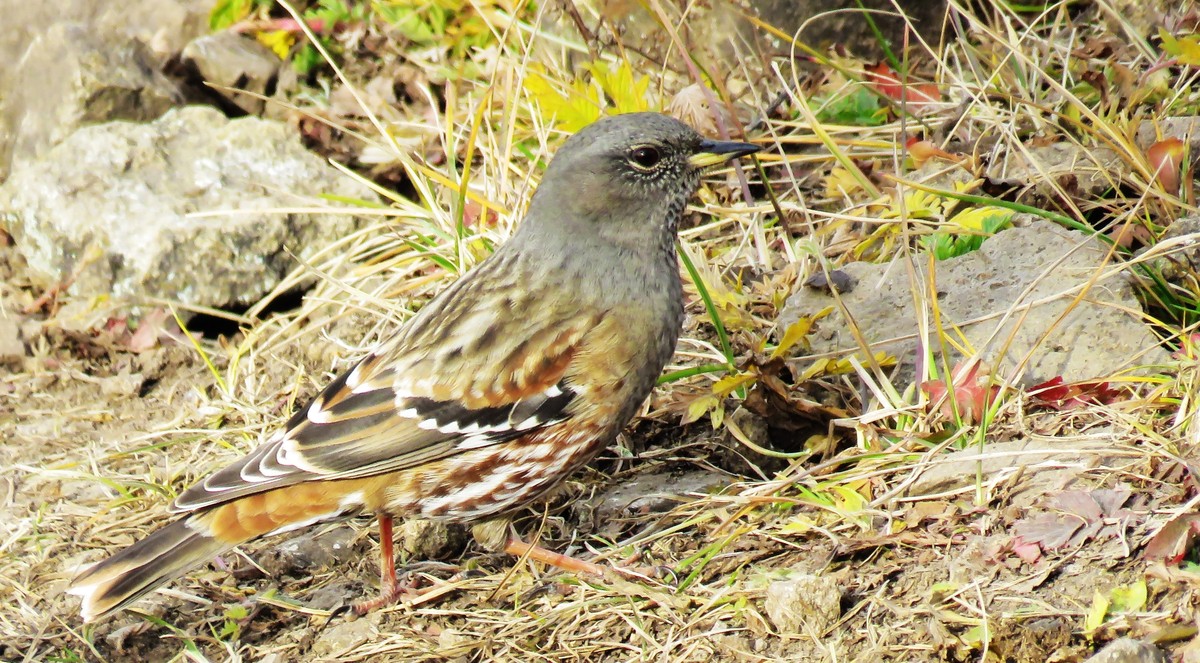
[{"x": 645, "y": 157}]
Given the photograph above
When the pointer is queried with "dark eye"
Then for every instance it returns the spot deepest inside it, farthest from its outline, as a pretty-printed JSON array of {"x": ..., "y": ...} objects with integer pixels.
[{"x": 645, "y": 157}]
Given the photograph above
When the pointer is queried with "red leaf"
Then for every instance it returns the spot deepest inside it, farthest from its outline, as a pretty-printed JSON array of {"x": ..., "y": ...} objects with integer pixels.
[
  {"x": 886, "y": 82},
  {"x": 1174, "y": 540},
  {"x": 1047, "y": 530},
  {"x": 1189, "y": 348},
  {"x": 972, "y": 395},
  {"x": 149, "y": 328},
  {"x": 1166, "y": 159},
  {"x": 1028, "y": 552},
  {"x": 1054, "y": 394}
]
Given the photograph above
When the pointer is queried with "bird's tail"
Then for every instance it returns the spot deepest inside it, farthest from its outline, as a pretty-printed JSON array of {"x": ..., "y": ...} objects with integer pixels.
[
  {"x": 166, "y": 554},
  {"x": 188, "y": 542}
]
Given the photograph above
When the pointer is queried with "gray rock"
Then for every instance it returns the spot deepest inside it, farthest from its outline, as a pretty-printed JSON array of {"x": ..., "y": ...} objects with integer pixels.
[
  {"x": 650, "y": 493},
  {"x": 804, "y": 604},
  {"x": 230, "y": 60},
  {"x": 1041, "y": 172},
  {"x": 332, "y": 643},
  {"x": 113, "y": 202},
  {"x": 69, "y": 78},
  {"x": 1128, "y": 650},
  {"x": 715, "y": 26},
  {"x": 124, "y": 384},
  {"x": 1045, "y": 466},
  {"x": 982, "y": 294},
  {"x": 1178, "y": 263},
  {"x": 74, "y": 62},
  {"x": 1185, "y": 128},
  {"x": 827, "y": 23}
]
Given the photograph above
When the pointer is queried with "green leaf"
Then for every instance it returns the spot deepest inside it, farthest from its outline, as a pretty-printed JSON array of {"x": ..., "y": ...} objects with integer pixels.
[
  {"x": 1128, "y": 598},
  {"x": 306, "y": 59},
  {"x": 228, "y": 12},
  {"x": 859, "y": 108}
]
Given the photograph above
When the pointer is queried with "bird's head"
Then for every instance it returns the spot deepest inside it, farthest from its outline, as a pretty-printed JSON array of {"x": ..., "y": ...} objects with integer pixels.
[{"x": 628, "y": 176}]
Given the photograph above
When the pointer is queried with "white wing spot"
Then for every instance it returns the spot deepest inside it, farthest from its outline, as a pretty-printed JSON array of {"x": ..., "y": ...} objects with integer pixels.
[
  {"x": 317, "y": 414},
  {"x": 475, "y": 441},
  {"x": 354, "y": 378}
]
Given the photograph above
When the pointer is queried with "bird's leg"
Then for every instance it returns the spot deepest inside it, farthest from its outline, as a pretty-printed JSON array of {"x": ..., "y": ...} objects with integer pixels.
[
  {"x": 518, "y": 548},
  {"x": 389, "y": 589},
  {"x": 497, "y": 535}
]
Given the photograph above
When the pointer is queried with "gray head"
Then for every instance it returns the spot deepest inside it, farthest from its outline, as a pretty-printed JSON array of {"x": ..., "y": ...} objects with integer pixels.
[{"x": 626, "y": 178}]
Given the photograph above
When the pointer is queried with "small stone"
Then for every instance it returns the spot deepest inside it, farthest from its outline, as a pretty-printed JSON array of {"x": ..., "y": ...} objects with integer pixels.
[
  {"x": 125, "y": 384},
  {"x": 1013, "y": 300},
  {"x": 428, "y": 539},
  {"x": 804, "y": 604},
  {"x": 342, "y": 636},
  {"x": 1042, "y": 172},
  {"x": 1128, "y": 650},
  {"x": 230, "y": 60},
  {"x": 11, "y": 347},
  {"x": 309, "y": 550},
  {"x": 648, "y": 494}
]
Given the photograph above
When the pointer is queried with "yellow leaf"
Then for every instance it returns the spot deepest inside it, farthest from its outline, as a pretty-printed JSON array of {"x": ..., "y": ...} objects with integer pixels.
[
  {"x": 841, "y": 183},
  {"x": 940, "y": 590},
  {"x": 699, "y": 407},
  {"x": 717, "y": 415},
  {"x": 1095, "y": 615},
  {"x": 917, "y": 205},
  {"x": 822, "y": 367},
  {"x": 1185, "y": 49},
  {"x": 279, "y": 41},
  {"x": 729, "y": 383},
  {"x": 796, "y": 332},
  {"x": 848, "y": 500},
  {"x": 973, "y": 220},
  {"x": 975, "y": 636},
  {"x": 801, "y": 525},
  {"x": 570, "y": 109},
  {"x": 628, "y": 94}
]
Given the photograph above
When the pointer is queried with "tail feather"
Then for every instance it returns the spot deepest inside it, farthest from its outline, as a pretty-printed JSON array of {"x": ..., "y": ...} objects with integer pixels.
[
  {"x": 125, "y": 577},
  {"x": 171, "y": 551}
]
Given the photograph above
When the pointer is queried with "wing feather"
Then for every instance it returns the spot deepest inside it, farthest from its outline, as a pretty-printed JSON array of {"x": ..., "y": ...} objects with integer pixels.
[{"x": 405, "y": 405}]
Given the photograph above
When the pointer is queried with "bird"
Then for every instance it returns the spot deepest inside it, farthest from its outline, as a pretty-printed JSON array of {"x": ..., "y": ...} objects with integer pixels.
[{"x": 505, "y": 383}]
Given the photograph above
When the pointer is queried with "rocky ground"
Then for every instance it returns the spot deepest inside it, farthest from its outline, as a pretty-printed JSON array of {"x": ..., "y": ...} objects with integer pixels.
[{"x": 881, "y": 438}]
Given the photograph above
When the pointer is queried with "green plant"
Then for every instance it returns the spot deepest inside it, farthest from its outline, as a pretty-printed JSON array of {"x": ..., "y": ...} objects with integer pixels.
[{"x": 967, "y": 232}]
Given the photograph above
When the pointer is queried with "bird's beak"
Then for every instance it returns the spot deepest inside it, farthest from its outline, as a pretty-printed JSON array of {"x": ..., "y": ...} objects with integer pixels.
[{"x": 717, "y": 152}]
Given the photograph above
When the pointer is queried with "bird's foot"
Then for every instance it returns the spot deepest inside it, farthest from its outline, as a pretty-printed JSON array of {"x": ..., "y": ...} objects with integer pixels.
[{"x": 388, "y": 594}]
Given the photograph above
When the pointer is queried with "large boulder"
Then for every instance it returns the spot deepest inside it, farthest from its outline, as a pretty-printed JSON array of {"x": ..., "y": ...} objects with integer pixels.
[
  {"x": 1016, "y": 301},
  {"x": 74, "y": 62},
  {"x": 193, "y": 207}
]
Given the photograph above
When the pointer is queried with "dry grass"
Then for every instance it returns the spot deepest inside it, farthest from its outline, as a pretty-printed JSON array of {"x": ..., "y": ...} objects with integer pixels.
[{"x": 923, "y": 576}]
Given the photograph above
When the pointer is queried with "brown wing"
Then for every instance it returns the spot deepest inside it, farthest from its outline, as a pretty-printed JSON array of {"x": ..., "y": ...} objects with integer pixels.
[{"x": 463, "y": 374}]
